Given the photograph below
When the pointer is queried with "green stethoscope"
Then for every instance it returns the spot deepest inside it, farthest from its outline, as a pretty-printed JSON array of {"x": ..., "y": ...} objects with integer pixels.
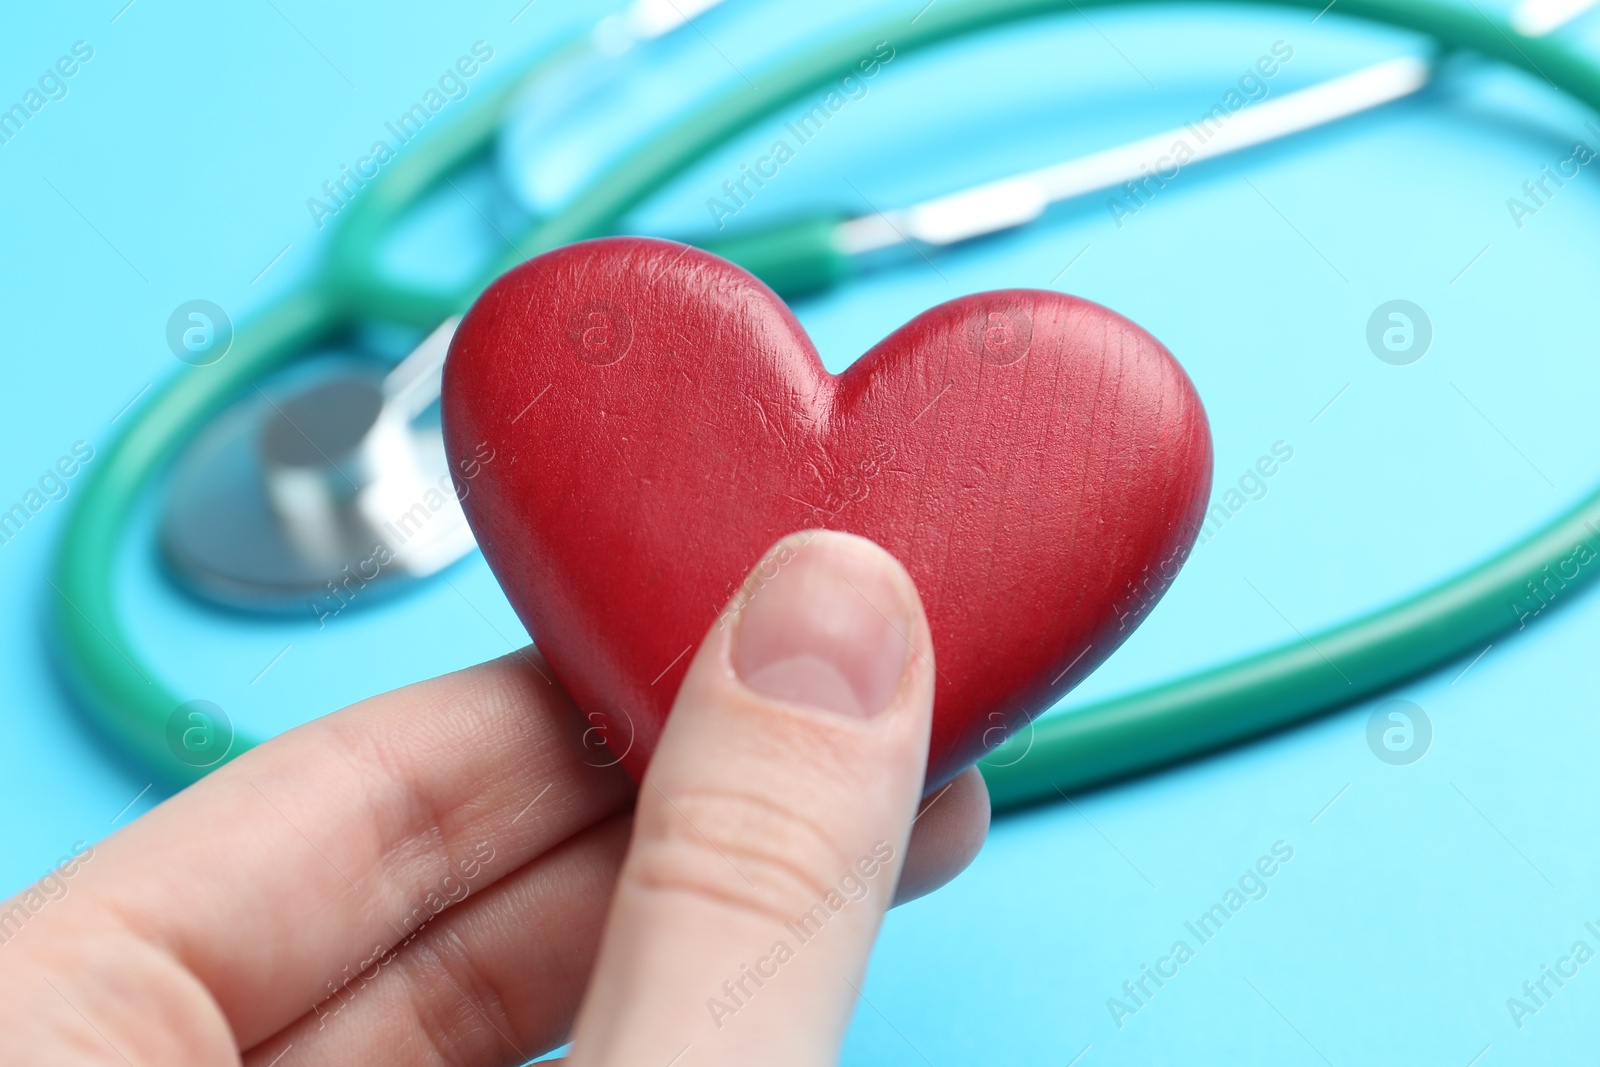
[{"x": 1137, "y": 732}]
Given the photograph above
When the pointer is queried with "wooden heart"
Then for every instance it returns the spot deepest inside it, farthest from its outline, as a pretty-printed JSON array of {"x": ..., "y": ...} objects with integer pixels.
[{"x": 657, "y": 419}]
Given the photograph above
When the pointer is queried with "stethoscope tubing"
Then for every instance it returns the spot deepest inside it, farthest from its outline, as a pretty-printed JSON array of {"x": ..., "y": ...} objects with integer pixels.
[{"x": 1070, "y": 752}]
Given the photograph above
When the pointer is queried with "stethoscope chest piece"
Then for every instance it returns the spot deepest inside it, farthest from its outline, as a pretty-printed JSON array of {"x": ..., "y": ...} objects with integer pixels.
[{"x": 319, "y": 498}]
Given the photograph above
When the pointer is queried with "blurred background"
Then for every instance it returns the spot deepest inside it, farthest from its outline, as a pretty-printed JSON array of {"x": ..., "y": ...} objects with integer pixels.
[{"x": 1415, "y": 889}]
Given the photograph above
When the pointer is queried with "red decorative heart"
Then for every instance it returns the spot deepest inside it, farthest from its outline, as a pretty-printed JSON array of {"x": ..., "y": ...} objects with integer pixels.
[{"x": 658, "y": 419}]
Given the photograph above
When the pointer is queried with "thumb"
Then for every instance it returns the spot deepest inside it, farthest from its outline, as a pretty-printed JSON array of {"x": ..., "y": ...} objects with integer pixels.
[{"x": 772, "y": 823}]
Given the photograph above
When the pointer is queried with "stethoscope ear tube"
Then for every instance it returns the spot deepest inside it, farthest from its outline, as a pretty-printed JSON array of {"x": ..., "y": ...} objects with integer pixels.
[{"x": 1072, "y": 751}]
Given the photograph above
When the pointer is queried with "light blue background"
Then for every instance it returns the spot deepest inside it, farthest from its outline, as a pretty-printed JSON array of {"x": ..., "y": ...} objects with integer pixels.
[{"x": 179, "y": 166}]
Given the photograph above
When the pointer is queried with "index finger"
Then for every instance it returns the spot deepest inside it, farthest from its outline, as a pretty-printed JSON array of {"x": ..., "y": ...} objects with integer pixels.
[{"x": 337, "y": 839}]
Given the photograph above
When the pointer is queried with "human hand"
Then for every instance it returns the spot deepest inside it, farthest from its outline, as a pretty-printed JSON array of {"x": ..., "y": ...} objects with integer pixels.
[{"x": 425, "y": 877}]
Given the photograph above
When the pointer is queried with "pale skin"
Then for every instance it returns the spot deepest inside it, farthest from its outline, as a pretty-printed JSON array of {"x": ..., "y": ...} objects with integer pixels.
[{"x": 443, "y": 875}]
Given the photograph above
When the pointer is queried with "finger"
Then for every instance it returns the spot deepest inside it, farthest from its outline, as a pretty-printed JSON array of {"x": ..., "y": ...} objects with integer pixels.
[
  {"x": 494, "y": 980},
  {"x": 772, "y": 821},
  {"x": 948, "y": 832},
  {"x": 503, "y": 971},
  {"x": 280, "y": 871}
]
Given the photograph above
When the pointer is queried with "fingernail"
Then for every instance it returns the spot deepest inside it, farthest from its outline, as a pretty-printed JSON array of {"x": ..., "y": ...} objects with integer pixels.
[{"x": 828, "y": 630}]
